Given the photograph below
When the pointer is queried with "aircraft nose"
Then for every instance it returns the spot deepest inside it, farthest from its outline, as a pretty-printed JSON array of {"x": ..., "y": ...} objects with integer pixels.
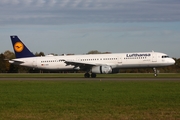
[{"x": 172, "y": 61}]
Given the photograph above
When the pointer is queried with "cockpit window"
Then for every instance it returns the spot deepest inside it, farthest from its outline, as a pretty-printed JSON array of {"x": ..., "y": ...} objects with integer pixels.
[{"x": 165, "y": 56}]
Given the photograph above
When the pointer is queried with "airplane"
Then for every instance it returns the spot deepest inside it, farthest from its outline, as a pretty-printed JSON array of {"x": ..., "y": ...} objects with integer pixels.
[{"x": 92, "y": 64}]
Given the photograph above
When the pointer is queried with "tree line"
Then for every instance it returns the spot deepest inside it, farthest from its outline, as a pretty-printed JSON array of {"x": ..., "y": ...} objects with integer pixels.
[{"x": 6, "y": 67}]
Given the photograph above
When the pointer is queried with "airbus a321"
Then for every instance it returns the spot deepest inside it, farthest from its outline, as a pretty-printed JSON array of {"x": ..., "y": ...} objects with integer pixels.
[{"x": 92, "y": 64}]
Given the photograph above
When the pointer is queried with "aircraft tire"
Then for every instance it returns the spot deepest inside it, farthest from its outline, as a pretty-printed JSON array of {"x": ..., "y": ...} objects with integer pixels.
[
  {"x": 86, "y": 75},
  {"x": 93, "y": 75}
]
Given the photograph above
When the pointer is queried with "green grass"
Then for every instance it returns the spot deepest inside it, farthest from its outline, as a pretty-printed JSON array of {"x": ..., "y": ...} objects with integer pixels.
[
  {"x": 89, "y": 100},
  {"x": 81, "y": 75}
]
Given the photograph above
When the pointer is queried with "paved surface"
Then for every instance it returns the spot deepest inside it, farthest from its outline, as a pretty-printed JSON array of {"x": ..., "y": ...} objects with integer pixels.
[{"x": 98, "y": 79}]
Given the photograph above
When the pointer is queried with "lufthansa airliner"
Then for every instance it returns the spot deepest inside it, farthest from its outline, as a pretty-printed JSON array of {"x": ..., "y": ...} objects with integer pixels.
[{"x": 91, "y": 64}]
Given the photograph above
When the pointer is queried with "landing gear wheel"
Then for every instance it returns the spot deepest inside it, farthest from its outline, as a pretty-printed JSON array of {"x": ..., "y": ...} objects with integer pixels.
[
  {"x": 93, "y": 75},
  {"x": 155, "y": 75},
  {"x": 86, "y": 75}
]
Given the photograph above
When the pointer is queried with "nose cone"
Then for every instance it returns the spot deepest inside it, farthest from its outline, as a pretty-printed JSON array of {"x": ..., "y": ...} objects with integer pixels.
[{"x": 172, "y": 61}]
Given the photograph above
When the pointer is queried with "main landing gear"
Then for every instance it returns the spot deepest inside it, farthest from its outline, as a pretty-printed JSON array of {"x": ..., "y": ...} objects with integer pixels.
[
  {"x": 155, "y": 72},
  {"x": 88, "y": 75}
]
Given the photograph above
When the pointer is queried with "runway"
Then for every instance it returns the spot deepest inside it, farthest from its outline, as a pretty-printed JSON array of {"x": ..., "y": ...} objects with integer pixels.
[{"x": 93, "y": 79}]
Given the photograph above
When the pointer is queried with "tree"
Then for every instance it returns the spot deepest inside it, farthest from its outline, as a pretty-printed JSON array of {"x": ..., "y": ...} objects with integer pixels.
[
  {"x": 94, "y": 52},
  {"x": 39, "y": 54},
  {"x": 2, "y": 63},
  {"x": 9, "y": 55},
  {"x": 97, "y": 52}
]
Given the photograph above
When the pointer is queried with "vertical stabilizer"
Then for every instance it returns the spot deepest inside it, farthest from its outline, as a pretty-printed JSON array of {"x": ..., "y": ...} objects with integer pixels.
[{"x": 21, "y": 51}]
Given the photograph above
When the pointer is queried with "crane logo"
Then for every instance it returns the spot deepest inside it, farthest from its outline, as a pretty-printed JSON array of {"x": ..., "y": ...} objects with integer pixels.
[{"x": 18, "y": 46}]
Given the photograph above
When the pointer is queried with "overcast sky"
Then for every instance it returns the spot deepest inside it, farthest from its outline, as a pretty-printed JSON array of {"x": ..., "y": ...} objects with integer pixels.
[{"x": 79, "y": 26}]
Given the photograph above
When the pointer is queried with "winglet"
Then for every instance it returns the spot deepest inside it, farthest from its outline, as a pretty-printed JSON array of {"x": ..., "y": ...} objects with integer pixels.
[{"x": 21, "y": 51}]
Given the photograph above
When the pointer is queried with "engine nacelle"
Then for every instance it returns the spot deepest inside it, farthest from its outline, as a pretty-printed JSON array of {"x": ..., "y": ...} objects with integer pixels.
[{"x": 102, "y": 69}]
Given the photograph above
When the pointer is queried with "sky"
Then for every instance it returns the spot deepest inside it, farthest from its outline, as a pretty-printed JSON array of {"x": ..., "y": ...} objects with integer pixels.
[{"x": 79, "y": 26}]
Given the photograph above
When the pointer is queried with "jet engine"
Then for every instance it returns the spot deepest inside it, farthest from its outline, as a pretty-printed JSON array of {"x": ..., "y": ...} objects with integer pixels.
[{"x": 102, "y": 69}]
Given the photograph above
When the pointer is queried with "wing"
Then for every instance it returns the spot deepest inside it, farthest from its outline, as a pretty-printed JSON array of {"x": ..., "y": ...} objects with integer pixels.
[{"x": 82, "y": 64}]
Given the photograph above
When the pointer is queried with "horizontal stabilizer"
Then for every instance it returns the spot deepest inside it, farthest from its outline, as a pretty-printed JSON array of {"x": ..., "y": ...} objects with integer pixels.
[{"x": 17, "y": 61}]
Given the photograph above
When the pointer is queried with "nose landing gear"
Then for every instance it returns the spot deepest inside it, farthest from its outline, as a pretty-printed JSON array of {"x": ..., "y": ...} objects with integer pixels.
[{"x": 155, "y": 72}]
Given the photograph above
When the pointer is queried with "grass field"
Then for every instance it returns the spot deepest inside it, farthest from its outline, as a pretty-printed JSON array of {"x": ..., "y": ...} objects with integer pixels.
[{"x": 89, "y": 100}]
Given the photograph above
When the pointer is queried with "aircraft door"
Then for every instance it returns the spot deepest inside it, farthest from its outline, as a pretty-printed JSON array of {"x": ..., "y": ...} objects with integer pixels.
[
  {"x": 34, "y": 63},
  {"x": 78, "y": 59},
  {"x": 119, "y": 60},
  {"x": 154, "y": 57}
]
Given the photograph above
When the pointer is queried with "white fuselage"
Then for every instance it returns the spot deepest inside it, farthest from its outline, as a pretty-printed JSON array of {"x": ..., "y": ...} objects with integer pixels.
[{"x": 119, "y": 60}]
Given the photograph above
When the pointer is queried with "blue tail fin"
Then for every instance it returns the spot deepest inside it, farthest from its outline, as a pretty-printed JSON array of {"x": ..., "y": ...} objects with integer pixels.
[{"x": 21, "y": 51}]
